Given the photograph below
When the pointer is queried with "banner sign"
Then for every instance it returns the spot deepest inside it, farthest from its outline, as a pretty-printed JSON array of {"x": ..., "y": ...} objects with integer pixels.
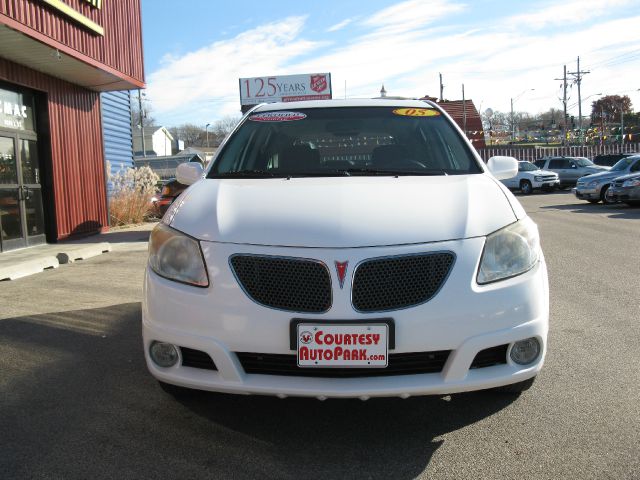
[{"x": 286, "y": 88}]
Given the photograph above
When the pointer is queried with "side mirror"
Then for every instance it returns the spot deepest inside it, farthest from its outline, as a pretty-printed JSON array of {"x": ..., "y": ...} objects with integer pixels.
[
  {"x": 503, "y": 167},
  {"x": 573, "y": 165},
  {"x": 189, "y": 173}
]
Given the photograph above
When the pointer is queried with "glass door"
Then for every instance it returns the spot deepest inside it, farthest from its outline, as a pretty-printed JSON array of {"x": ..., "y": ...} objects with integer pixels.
[
  {"x": 11, "y": 231},
  {"x": 31, "y": 192},
  {"x": 21, "y": 212}
]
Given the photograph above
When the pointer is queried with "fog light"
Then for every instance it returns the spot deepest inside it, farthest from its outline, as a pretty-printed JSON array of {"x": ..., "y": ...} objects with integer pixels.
[
  {"x": 163, "y": 354},
  {"x": 526, "y": 351}
]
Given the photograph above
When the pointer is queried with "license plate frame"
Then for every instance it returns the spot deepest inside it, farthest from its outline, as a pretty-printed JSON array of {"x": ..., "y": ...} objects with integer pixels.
[{"x": 297, "y": 324}]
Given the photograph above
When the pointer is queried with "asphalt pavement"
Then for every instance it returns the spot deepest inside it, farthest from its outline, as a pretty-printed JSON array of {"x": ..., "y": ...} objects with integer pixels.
[{"x": 76, "y": 400}]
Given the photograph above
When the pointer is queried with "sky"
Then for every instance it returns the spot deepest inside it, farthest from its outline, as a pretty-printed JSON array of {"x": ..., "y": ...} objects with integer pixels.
[{"x": 196, "y": 50}]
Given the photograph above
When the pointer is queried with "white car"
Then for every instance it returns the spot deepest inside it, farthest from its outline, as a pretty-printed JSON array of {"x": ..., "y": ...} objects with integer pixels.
[
  {"x": 353, "y": 248},
  {"x": 530, "y": 178}
]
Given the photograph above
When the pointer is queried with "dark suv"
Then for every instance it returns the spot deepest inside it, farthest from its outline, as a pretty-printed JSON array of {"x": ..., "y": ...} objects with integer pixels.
[{"x": 610, "y": 159}]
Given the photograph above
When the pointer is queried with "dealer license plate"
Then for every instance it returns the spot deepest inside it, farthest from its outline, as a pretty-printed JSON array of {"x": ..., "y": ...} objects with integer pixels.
[{"x": 343, "y": 345}]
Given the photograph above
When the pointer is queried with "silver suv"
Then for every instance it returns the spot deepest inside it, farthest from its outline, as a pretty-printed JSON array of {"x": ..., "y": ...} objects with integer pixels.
[
  {"x": 569, "y": 169},
  {"x": 593, "y": 188}
]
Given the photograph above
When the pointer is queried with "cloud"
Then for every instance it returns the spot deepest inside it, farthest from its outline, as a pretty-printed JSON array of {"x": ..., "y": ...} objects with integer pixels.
[
  {"x": 207, "y": 79},
  {"x": 411, "y": 14},
  {"x": 566, "y": 13},
  {"x": 340, "y": 25},
  {"x": 405, "y": 46}
]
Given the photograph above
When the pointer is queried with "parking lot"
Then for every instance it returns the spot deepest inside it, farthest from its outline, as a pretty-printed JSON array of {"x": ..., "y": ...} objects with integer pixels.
[{"x": 76, "y": 400}]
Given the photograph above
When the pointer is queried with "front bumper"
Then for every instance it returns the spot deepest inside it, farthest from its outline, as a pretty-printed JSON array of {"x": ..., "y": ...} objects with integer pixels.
[
  {"x": 623, "y": 194},
  {"x": 463, "y": 317},
  {"x": 584, "y": 193},
  {"x": 545, "y": 184}
]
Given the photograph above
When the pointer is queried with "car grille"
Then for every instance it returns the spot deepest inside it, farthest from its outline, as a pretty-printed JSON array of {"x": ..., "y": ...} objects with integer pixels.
[
  {"x": 490, "y": 357},
  {"x": 294, "y": 284},
  {"x": 399, "y": 364},
  {"x": 196, "y": 359},
  {"x": 548, "y": 178},
  {"x": 393, "y": 283}
]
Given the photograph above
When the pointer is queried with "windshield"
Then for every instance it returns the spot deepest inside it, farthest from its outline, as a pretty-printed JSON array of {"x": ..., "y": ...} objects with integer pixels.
[
  {"x": 623, "y": 164},
  {"x": 583, "y": 162},
  {"x": 526, "y": 167},
  {"x": 345, "y": 141}
]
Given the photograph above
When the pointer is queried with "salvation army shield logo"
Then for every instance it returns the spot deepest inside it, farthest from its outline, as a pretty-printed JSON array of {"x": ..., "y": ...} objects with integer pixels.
[{"x": 318, "y": 83}]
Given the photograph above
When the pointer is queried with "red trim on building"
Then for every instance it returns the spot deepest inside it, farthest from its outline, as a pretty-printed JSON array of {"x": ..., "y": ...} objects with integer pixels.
[
  {"x": 119, "y": 50},
  {"x": 77, "y": 158}
]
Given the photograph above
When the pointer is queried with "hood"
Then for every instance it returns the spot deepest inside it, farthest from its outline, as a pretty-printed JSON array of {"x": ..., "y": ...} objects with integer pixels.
[
  {"x": 601, "y": 175},
  {"x": 629, "y": 176},
  {"x": 543, "y": 172},
  {"x": 341, "y": 212},
  {"x": 597, "y": 169}
]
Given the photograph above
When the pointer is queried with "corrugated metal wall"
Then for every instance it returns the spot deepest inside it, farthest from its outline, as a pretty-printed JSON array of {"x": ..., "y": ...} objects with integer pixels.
[
  {"x": 121, "y": 46},
  {"x": 116, "y": 130},
  {"x": 75, "y": 130}
]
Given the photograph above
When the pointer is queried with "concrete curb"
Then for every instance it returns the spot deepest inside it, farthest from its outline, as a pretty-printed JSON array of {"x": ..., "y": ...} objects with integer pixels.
[
  {"x": 73, "y": 253},
  {"x": 28, "y": 261},
  {"x": 28, "y": 267}
]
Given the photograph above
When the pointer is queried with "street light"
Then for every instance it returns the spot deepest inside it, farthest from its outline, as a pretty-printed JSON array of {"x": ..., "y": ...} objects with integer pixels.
[
  {"x": 513, "y": 125},
  {"x": 206, "y": 131}
]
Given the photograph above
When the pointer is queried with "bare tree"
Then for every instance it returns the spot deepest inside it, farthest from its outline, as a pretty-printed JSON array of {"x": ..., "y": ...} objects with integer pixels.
[
  {"x": 223, "y": 127},
  {"x": 193, "y": 135}
]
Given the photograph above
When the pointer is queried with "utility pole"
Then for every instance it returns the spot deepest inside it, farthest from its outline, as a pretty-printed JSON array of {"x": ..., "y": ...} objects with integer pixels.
[
  {"x": 622, "y": 126},
  {"x": 464, "y": 112},
  {"x": 513, "y": 125},
  {"x": 578, "y": 79},
  {"x": 441, "y": 88},
  {"x": 144, "y": 149},
  {"x": 564, "y": 101}
]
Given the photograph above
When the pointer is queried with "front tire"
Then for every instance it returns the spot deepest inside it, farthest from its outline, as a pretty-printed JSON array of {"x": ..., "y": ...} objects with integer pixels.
[
  {"x": 603, "y": 195},
  {"x": 525, "y": 187}
]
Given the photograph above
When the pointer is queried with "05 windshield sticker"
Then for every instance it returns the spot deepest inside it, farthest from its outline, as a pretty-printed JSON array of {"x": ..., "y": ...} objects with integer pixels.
[
  {"x": 277, "y": 117},
  {"x": 416, "y": 112}
]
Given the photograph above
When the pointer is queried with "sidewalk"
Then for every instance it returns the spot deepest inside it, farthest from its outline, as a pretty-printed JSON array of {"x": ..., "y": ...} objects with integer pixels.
[{"x": 28, "y": 261}]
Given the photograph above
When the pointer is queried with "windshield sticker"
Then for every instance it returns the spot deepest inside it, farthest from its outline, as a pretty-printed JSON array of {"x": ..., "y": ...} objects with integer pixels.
[
  {"x": 277, "y": 116},
  {"x": 416, "y": 112}
]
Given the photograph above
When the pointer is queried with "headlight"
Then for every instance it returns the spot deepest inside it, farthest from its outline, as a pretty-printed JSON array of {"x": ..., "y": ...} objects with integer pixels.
[
  {"x": 538, "y": 178},
  {"x": 592, "y": 184},
  {"x": 634, "y": 182},
  {"x": 176, "y": 256},
  {"x": 510, "y": 251}
]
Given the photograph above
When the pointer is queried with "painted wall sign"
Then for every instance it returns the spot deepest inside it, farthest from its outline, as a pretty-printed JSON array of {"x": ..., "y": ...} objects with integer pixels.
[
  {"x": 16, "y": 111},
  {"x": 65, "y": 9},
  {"x": 285, "y": 88}
]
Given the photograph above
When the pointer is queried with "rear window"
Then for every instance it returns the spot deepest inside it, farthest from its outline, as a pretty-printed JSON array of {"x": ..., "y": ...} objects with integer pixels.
[{"x": 345, "y": 141}]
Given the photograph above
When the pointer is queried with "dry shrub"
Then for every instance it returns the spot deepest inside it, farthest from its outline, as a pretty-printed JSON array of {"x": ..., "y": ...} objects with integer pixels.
[{"x": 130, "y": 200}]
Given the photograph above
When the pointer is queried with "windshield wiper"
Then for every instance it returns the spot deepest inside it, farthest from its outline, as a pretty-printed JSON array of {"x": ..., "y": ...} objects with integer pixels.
[
  {"x": 249, "y": 174},
  {"x": 383, "y": 172}
]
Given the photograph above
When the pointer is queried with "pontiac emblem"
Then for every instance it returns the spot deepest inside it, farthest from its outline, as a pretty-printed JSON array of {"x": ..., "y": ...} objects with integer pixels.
[{"x": 341, "y": 270}]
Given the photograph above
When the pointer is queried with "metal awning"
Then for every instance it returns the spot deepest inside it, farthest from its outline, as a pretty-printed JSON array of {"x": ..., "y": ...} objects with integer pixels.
[{"x": 25, "y": 50}]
